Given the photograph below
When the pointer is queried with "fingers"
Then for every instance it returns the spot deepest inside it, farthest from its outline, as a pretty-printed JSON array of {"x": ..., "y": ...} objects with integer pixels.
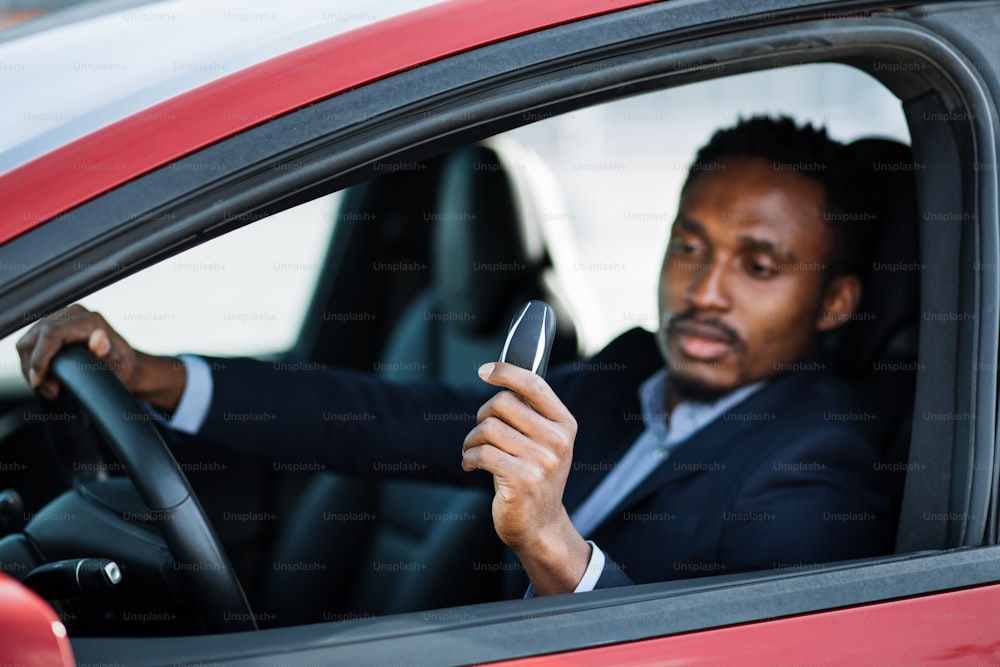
[
  {"x": 511, "y": 426},
  {"x": 24, "y": 347},
  {"x": 71, "y": 325},
  {"x": 524, "y": 436},
  {"x": 509, "y": 423},
  {"x": 530, "y": 386},
  {"x": 496, "y": 433},
  {"x": 514, "y": 476},
  {"x": 99, "y": 342},
  {"x": 480, "y": 455},
  {"x": 532, "y": 423},
  {"x": 534, "y": 410}
]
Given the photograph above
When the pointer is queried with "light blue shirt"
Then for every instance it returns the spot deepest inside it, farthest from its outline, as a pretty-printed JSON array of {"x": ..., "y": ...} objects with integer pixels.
[
  {"x": 196, "y": 397},
  {"x": 658, "y": 440}
]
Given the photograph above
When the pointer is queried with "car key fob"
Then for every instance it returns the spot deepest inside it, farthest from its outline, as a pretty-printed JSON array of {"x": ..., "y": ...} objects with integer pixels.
[{"x": 529, "y": 340}]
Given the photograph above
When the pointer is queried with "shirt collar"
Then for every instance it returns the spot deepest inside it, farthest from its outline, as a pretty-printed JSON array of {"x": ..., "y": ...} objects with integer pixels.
[{"x": 688, "y": 416}]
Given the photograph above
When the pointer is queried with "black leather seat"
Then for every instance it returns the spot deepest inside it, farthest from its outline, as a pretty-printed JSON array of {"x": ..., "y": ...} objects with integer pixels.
[
  {"x": 487, "y": 258},
  {"x": 877, "y": 349},
  {"x": 486, "y": 261}
]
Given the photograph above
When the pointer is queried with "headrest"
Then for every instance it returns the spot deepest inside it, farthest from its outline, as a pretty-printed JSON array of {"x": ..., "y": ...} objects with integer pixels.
[
  {"x": 891, "y": 271},
  {"x": 480, "y": 257},
  {"x": 401, "y": 201}
]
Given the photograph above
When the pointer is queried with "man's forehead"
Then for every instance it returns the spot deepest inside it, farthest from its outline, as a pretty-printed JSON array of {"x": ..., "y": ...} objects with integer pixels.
[
  {"x": 751, "y": 194},
  {"x": 761, "y": 173}
]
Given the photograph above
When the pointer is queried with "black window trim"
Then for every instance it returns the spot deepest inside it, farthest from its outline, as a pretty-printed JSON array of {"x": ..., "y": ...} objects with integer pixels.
[{"x": 485, "y": 633}]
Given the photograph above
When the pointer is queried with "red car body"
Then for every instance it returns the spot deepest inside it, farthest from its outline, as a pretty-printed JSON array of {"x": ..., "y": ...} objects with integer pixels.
[
  {"x": 209, "y": 114},
  {"x": 30, "y": 631},
  {"x": 955, "y": 626}
]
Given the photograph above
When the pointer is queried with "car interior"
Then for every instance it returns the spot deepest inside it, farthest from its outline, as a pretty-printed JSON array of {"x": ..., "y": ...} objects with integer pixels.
[
  {"x": 448, "y": 214},
  {"x": 421, "y": 345},
  {"x": 447, "y": 329},
  {"x": 431, "y": 316}
]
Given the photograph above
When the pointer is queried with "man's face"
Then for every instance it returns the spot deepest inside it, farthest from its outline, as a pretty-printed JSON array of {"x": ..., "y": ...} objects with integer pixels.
[{"x": 742, "y": 289}]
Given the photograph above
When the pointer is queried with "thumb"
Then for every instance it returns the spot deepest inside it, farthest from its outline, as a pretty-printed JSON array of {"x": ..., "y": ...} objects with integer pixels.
[{"x": 99, "y": 343}]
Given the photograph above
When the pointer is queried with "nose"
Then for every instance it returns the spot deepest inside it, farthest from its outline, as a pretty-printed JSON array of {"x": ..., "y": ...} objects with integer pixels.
[{"x": 707, "y": 290}]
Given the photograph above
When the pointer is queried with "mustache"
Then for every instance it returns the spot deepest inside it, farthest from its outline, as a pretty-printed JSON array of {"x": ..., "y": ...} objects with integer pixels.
[{"x": 678, "y": 322}]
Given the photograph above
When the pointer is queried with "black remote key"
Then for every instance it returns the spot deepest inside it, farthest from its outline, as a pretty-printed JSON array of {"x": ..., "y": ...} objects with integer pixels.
[{"x": 529, "y": 340}]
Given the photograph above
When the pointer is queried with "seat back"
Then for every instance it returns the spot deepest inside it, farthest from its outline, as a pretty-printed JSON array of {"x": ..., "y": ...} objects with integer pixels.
[
  {"x": 890, "y": 301},
  {"x": 877, "y": 349},
  {"x": 487, "y": 258}
]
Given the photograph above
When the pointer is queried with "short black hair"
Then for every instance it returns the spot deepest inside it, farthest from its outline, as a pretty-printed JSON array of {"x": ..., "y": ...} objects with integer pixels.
[{"x": 808, "y": 151}]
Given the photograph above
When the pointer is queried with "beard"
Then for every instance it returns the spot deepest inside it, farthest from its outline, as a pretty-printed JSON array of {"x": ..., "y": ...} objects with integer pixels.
[{"x": 693, "y": 389}]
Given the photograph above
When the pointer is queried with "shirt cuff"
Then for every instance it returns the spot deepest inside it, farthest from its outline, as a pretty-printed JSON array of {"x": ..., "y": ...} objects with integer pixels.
[
  {"x": 196, "y": 397},
  {"x": 594, "y": 570},
  {"x": 590, "y": 576}
]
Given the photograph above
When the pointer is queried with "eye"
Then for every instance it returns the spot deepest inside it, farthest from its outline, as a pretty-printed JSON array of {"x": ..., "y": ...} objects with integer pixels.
[
  {"x": 761, "y": 266},
  {"x": 684, "y": 247}
]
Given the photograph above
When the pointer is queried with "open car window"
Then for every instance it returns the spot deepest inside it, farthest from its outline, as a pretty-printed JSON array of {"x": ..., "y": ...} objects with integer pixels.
[{"x": 599, "y": 187}]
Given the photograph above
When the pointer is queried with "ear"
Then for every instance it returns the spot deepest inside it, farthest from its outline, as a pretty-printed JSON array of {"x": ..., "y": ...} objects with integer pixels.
[{"x": 843, "y": 294}]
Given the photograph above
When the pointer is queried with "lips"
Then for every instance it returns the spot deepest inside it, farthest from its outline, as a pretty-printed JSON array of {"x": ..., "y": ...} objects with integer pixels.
[{"x": 704, "y": 342}]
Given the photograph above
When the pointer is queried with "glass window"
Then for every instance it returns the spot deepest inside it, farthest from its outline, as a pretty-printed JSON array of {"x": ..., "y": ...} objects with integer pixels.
[{"x": 244, "y": 293}]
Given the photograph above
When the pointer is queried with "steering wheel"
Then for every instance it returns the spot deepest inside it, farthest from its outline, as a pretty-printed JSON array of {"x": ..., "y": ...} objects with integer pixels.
[{"x": 161, "y": 485}]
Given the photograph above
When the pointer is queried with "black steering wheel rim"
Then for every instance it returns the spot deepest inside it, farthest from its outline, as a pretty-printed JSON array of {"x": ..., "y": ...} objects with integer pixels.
[{"x": 203, "y": 566}]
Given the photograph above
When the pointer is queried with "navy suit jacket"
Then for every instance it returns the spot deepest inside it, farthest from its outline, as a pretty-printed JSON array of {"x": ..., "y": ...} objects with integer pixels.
[{"x": 786, "y": 479}]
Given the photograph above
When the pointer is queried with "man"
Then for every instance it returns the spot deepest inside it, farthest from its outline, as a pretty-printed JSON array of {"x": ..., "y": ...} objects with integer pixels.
[{"x": 620, "y": 470}]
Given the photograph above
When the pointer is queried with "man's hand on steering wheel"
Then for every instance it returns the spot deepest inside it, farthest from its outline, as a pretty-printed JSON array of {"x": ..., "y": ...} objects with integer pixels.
[
  {"x": 203, "y": 573},
  {"x": 156, "y": 380}
]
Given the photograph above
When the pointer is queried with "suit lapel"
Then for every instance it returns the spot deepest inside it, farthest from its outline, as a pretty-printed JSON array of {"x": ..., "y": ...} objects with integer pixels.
[
  {"x": 587, "y": 474},
  {"x": 719, "y": 444},
  {"x": 606, "y": 405},
  {"x": 706, "y": 450}
]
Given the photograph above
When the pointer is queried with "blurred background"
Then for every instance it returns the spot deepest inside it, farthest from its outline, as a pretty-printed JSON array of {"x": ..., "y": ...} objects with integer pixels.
[
  {"x": 617, "y": 171},
  {"x": 13, "y": 12}
]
